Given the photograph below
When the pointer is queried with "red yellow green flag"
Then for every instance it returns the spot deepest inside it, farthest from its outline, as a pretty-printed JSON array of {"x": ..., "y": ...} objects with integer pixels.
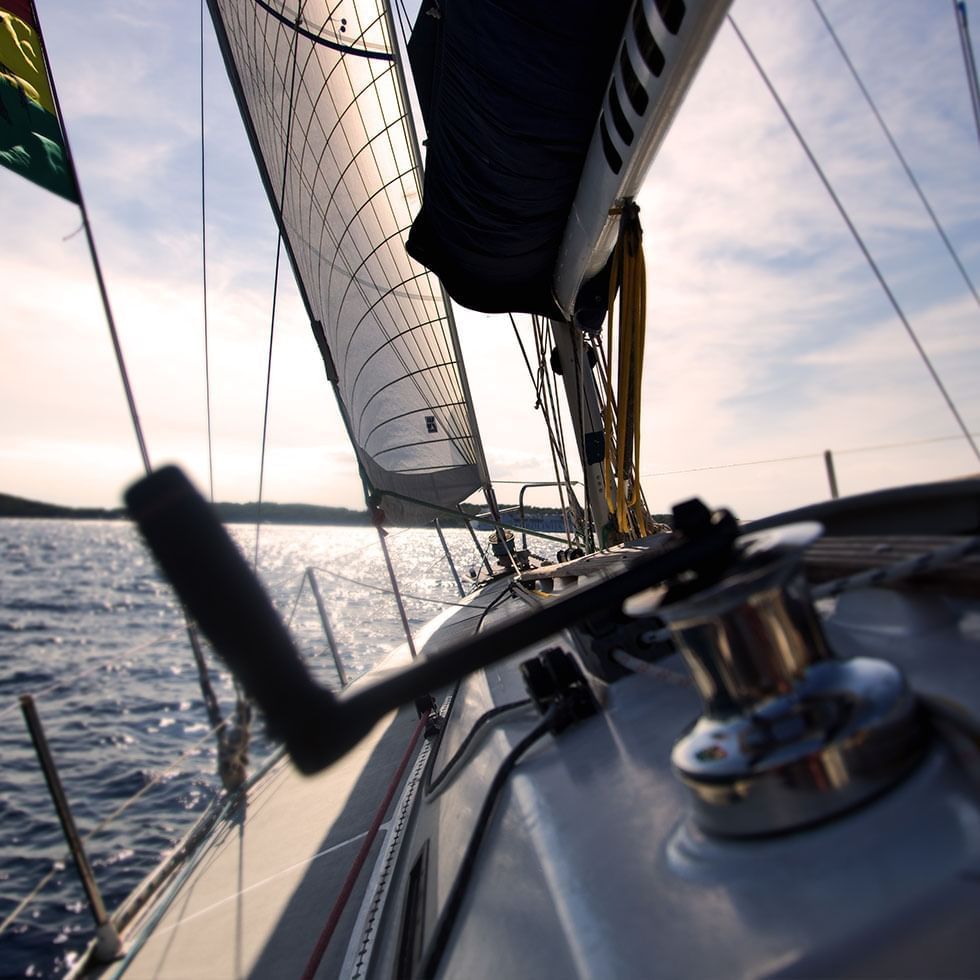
[{"x": 31, "y": 141}]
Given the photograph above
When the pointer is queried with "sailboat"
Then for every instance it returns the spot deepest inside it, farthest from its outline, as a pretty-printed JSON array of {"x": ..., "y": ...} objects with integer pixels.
[{"x": 727, "y": 750}]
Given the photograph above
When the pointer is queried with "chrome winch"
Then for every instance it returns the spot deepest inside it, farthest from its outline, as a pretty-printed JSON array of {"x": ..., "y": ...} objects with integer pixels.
[{"x": 789, "y": 734}]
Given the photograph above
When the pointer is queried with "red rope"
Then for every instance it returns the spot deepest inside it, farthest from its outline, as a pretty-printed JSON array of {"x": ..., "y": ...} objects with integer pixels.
[{"x": 355, "y": 869}]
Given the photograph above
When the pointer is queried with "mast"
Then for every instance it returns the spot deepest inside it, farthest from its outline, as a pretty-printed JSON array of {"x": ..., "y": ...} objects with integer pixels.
[
  {"x": 663, "y": 47},
  {"x": 582, "y": 394},
  {"x": 662, "y": 50}
]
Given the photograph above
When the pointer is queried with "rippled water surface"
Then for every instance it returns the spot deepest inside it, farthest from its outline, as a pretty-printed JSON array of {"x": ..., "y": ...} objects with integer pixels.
[{"x": 88, "y": 627}]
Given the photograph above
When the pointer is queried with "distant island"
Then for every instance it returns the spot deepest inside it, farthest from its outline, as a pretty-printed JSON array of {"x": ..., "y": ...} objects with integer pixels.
[
  {"x": 541, "y": 518},
  {"x": 545, "y": 519},
  {"x": 11, "y": 506}
]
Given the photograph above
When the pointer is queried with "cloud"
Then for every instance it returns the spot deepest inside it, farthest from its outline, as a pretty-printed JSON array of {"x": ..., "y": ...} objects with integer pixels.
[{"x": 768, "y": 335}]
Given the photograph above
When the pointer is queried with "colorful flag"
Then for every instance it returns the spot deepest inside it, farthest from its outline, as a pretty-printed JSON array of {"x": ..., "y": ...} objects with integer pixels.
[{"x": 31, "y": 141}]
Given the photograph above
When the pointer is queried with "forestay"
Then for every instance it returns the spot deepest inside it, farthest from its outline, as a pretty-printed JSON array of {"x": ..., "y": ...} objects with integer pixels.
[{"x": 320, "y": 94}]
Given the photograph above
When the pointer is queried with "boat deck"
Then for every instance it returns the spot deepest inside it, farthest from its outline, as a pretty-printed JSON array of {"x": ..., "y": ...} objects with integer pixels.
[
  {"x": 253, "y": 899},
  {"x": 590, "y": 865},
  {"x": 259, "y": 892}
]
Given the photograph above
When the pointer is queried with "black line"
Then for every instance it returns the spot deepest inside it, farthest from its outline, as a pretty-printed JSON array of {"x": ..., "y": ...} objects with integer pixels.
[
  {"x": 316, "y": 39},
  {"x": 411, "y": 445},
  {"x": 405, "y": 415}
]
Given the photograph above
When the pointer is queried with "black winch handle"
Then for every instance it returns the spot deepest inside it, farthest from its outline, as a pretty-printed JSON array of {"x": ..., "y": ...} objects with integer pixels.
[{"x": 222, "y": 593}]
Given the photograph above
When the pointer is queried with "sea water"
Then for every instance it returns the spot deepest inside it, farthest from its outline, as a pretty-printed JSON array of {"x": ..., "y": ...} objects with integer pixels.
[{"x": 88, "y": 626}]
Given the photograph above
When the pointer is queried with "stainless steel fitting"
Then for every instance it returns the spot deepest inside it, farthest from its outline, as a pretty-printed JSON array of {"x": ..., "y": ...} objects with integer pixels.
[{"x": 789, "y": 734}]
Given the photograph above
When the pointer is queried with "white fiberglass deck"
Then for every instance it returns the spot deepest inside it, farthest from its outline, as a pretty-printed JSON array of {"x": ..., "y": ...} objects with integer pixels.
[{"x": 263, "y": 886}]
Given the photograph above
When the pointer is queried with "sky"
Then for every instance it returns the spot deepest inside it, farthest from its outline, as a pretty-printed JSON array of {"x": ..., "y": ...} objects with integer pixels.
[{"x": 768, "y": 337}]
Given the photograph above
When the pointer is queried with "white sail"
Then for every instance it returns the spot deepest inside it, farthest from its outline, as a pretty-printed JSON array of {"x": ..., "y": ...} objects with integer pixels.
[{"x": 321, "y": 96}]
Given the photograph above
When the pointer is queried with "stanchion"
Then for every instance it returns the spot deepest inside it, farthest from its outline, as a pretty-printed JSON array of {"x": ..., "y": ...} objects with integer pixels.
[{"x": 107, "y": 942}]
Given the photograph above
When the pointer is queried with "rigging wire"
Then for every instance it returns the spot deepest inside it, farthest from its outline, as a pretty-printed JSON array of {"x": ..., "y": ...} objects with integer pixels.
[
  {"x": 860, "y": 241},
  {"x": 275, "y": 291},
  {"x": 543, "y": 339},
  {"x": 556, "y": 436},
  {"x": 959, "y": 11},
  {"x": 387, "y": 591},
  {"x": 592, "y": 528},
  {"x": 204, "y": 275},
  {"x": 207, "y": 691},
  {"x": 520, "y": 344},
  {"x": 93, "y": 253},
  {"x": 896, "y": 445},
  {"x": 541, "y": 403},
  {"x": 406, "y": 20},
  {"x": 94, "y": 668},
  {"x": 898, "y": 153},
  {"x": 793, "y": 459}
]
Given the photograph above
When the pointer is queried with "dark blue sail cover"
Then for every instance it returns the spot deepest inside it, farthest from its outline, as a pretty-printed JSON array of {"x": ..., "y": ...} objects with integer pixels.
[{"x": 510, "y": 91}]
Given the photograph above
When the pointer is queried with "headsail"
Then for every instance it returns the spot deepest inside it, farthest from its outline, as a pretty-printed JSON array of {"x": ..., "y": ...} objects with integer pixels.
[{"x": 323, "y": 79}]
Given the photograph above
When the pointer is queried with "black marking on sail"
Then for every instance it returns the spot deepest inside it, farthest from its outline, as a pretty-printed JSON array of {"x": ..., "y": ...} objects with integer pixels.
[
  {"x": 430, "y": 424},
  {"x": 634, "y": 88},
  {"x": 645, "y": 41},
  {"x": 613, "y": 158},
  {"x": 316, "y": 39},
  {"x": 624, "y": 129}
]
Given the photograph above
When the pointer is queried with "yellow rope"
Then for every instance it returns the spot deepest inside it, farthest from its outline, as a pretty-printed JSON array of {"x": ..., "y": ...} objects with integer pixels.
[
  {"x": 621, "y": 412},
  {"x": 609, "y": 409}
]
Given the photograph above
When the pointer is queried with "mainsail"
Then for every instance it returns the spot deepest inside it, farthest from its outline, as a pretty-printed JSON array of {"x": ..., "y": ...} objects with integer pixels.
[{"x": 321, "y": 96}]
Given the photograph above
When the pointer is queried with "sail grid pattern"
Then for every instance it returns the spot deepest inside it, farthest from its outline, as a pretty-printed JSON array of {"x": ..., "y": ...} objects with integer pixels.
[{"x": 347, "y": 188}]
